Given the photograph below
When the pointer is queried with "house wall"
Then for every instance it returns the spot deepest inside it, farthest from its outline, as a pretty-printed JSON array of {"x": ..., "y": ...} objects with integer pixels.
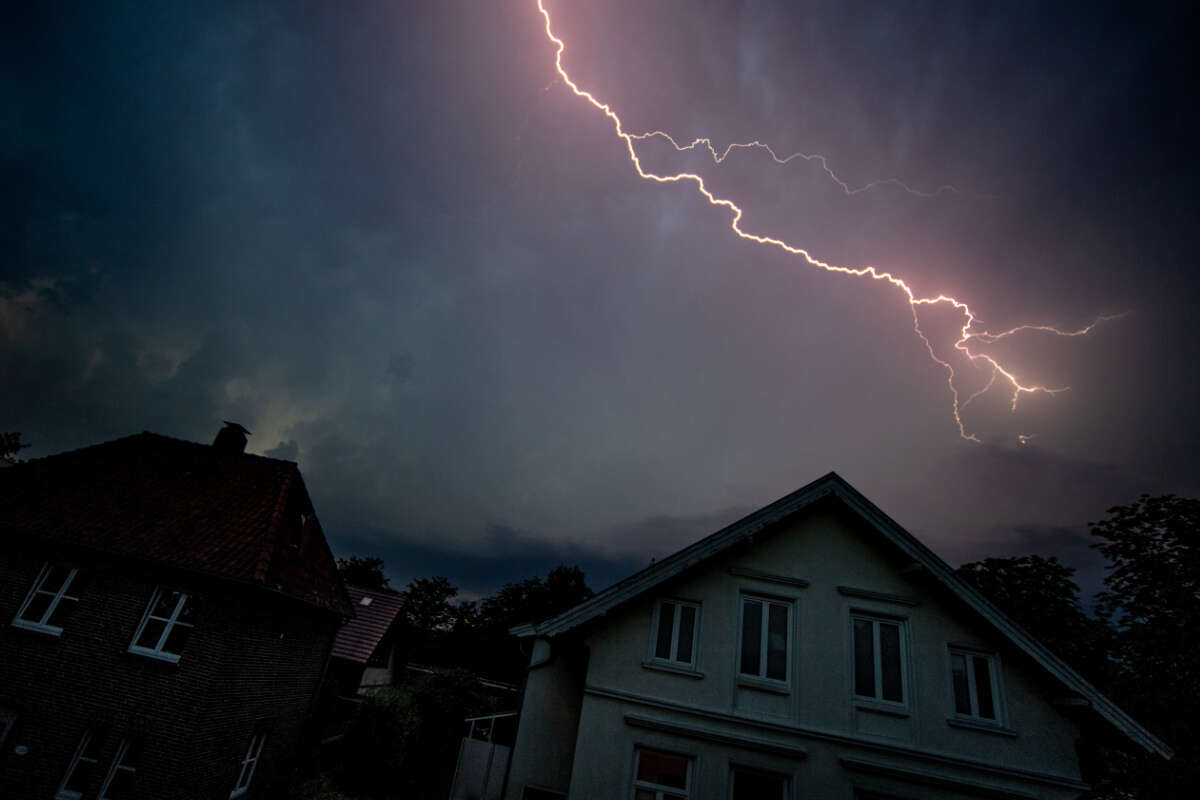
[
  {"x": 546, "y": 733},
  {"x": 253, "y": 662},
  {"x": 628, "y": 702}
]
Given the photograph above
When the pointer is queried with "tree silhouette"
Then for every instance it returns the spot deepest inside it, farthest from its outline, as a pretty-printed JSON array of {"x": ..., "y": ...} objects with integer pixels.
[{"x": 366, "y": 573}]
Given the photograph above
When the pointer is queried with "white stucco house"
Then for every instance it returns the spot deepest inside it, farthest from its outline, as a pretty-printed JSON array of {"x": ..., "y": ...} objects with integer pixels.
[{"x": 813, "y": 649}]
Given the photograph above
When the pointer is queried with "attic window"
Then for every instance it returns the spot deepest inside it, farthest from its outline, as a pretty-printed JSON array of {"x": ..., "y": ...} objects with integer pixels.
[{"x": 365, "y": 601}]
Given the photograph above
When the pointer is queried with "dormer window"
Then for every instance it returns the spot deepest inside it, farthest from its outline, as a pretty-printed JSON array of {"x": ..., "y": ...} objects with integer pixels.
[
  {"x": 50, "y": 600},
  {"x": 166, "y": 625}
]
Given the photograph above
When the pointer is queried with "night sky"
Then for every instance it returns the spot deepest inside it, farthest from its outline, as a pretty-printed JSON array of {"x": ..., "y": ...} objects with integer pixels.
[{"x": 387, "y": 239}]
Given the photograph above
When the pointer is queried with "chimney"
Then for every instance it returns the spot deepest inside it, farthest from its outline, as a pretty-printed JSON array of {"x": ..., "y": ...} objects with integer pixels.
[{"x": 231, "y": 438}]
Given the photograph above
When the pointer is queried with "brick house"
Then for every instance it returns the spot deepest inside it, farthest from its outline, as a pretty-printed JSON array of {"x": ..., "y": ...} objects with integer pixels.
[{"x": 167, "y": 611}]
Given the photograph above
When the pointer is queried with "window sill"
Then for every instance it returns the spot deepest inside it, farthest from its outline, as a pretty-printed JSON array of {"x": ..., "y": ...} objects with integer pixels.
[
  {"x": 980, "y": 725},
  {"x": 878, "y": 707},
  {"x": 763, "y": 684},
  {"x": 26, "y": 625},
  {"x": 168, "y": 658},
  {"x": 674, "y": 669}
]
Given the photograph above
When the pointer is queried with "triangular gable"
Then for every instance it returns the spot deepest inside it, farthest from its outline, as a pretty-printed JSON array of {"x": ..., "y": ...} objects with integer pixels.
[{"x": 833, "y": 485}]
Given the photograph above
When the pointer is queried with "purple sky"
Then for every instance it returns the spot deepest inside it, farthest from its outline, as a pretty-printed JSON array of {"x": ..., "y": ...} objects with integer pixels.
[{"x": 390, "y": 243}]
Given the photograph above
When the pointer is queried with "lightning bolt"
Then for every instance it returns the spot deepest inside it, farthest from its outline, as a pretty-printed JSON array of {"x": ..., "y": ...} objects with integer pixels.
[
  {"x": 817, "y": 157},
  {"x": 968, "y": 332}
]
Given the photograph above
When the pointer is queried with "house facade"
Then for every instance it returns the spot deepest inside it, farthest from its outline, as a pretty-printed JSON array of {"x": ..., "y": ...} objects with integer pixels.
[
  {"x": 812, "y": 649},
  {"x": 167, "y": 611}
]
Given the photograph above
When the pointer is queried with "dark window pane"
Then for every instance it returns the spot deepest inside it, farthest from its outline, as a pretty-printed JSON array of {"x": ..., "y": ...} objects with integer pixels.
[
  {"x": 889, "y": 662},
  {"x": 37, "y": 607},
  {"x": 63, "y": 610},
  {"x": 777, "y": 618},
  {"x": 641, "y": 794},
  {"x": 958, "y": 673},
  {"x": 983, "y": 687},
  {"x": 151, "y": 634},
  {"x": 751, "y": 637},
  {"x": 55, "y": 576},
  {"x": 687, "y": 630},
  {"x": 188, "y": 612},
  {"x": 663, "y": 769},
  {"x": 121, "y": 786},
  {"x": 81, "y": 776},
  {"x": 753, "y": 785},
  {"x": 164, "y": 606},
  {"x": 864, "y": 658},
  {"x": 666, "y": 619},
  {"x": 177, "y": 638}
]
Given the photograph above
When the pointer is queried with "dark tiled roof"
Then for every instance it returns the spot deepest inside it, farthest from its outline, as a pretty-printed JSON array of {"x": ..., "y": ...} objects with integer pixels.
[
  {"x": 180, "y": 504},
  {"x": 359, "y": 637}
]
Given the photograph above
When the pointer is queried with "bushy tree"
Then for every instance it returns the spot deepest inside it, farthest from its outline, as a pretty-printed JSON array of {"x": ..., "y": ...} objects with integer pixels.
[
  {"x": 403, "y": 743},
  {"x": 364, "y": 572},
  {"x": 1152, "y": 601},
  {"x": 11, "y": 447},
  {"x": 1041, "y": 596}
]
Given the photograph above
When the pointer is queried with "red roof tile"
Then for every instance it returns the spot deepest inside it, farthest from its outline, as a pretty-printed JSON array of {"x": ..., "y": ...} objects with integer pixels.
[
  {"x": 180, "y": 504},
  {"x": 374, "y": 613}
]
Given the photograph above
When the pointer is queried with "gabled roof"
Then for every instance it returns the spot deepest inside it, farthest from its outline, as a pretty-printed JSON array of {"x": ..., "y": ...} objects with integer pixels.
[
  {"x": 178, "y": 504},
  {"x": 374, "y": 613},
  {"x": 834, "y": 486}
]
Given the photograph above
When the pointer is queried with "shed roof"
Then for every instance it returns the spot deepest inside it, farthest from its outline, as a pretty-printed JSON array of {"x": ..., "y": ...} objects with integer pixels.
[{"x": 374, "y": 613}]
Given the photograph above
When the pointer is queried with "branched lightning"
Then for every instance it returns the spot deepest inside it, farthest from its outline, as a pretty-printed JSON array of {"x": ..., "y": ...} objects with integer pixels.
[
  {"x": 817, "y": 157},
  {"x": 968, "y": 333}
]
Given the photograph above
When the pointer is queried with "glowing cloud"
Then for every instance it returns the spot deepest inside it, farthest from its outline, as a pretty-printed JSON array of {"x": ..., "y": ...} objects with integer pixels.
[{"x": 968, "y": 332}]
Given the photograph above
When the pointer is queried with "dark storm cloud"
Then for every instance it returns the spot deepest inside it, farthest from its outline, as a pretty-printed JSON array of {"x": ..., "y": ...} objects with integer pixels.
[{"x": 386, "y": 241}]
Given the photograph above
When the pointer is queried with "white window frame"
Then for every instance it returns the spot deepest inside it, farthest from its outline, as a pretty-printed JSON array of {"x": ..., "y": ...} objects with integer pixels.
[
  {"x": 42, "y": 625},
  {"x": 969, "y": 654},
  {"x": 118, "y": 765},
  {"x": 157, "y": 651},
  {"x": 249, "y": 764},
  {"x": 661, "y": 792},
  {"x": 763, "y": 644},
  {"x": 673, "y": 658},
  {"x": 63, "y": 793},
  {"x": 877, "y": 667}
]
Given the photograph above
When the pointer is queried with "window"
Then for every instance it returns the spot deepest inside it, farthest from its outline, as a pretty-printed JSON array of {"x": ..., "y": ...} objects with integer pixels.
[
  {"x": 765, "y": 625},
  {"x": 976, "y": 679},
  {"x": 879, "y": 659},
  {"x": 51, "y": 600},
  {"x": 754, "y": 784},
  {"x": 79, "y": 772},
  {"x": 661, "y": 776},
  {"x": 166, "y": 625},
  {"x": 248, "y": 764},
  {"x": 534, "y": 793},
  {"x": 675, "y": 631},
  {"x": 118, "y": 784}
]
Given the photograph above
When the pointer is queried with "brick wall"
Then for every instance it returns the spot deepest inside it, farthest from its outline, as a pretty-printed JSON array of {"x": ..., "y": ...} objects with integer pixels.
[{"x": 253, "y": 662}]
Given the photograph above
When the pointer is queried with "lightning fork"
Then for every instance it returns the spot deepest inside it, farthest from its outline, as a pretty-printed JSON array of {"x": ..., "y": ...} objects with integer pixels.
[
  {"x": 817, "y": 157},
  {"x": 967, "y": 333}
]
